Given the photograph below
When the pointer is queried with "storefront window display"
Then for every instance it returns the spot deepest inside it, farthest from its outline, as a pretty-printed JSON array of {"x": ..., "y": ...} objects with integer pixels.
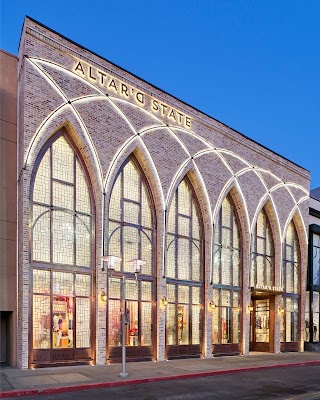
[
  {"x": 131, "y": 232},
  {"x": 262, "y": 253},
  {"x": 61, "y": 250},
  {"x": 183, "y": 269},
  {"x": 226, "y": 277}
]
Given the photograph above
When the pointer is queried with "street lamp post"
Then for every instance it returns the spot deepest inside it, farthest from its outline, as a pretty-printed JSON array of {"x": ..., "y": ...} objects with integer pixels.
[{"x": 137, "y": 264}]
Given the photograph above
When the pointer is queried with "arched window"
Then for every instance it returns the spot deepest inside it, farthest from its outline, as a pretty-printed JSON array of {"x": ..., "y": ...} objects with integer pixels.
[
  {"x": 61, "y": 253},
  {"x": 131, "y": 236},
  {"x": 226, "y": 276},
  {"x": 183, "y": 270},
  {"x": 262, "y": 264},
  {"x": 290, "y": 283}
]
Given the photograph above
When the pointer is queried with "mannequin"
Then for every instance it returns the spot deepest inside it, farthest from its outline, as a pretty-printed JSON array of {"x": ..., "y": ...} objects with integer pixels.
[{"x": 57, "y": 330}]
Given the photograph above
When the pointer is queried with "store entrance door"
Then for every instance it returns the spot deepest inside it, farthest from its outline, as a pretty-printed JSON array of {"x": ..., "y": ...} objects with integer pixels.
[{"x": 261, "y": 326}]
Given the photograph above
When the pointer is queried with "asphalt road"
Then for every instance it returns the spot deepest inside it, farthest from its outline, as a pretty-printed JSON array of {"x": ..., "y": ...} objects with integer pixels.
[{"x": 284, "y": 383}]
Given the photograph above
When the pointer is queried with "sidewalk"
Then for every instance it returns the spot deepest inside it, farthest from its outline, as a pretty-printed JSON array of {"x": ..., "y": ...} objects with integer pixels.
[{"x": 16, "y": 382}]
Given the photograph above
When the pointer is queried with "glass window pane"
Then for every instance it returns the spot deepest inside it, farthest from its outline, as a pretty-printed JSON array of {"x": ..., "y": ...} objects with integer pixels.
[
  {"x": 83, "y": 241},
  {"x": 146, "y": 291},
  {"x": 63, "y": 195},
  {"x": 131, "y": 289},
  {"x": 41, "y": 322},
  {"x": 115, "y": 201},
  {"x": 41, "y": 281},
  {"x": 184, "y": 199},
  {"x": 171, "y": 324},
  {"x": 131, "y": 212},
  {"x": 184, "y": 226},
  {"x": 41, "y": 234},
  {"x": 146, "y": 324},
  {"x": 195, "y": 223},
  {"x": 195, "y": 324},
  {"x": 215, "y": 326},
  {"x": 226, "y": 213},
  {"x": 42, "y": 188},
  {"x": 146, "y": 217},
  {"x": 62, "y": 160},
  {"x": 83, "y": 285},
  {"x": 63, "y": 237},
  {"x": 183, "y": 294},
  {"x": 114, "y": 323},
  {"x": 83, "y": 202},
  {"x": 183, "y": 258},
  {"x": 63, "y": 283},
  {"x": 196, "y": 295},
  {"x": 146, "y": 252},
  {"x": 83, "y": 333},
  {"x": 172, "y": 216},
  {"x": 171, "y": 257},
  {"x": 131, "y": 183},
  {"x": 196, "y": 267},
  {"x": 171, "y": 293},
  {"x": 114, "y": 287},
  {"x": 183, "y": 324},
  {"x": 307, "y": 318},
  {"x": 62, "y": 331},
  {"x": 236, "y": 326},
  {"x": 115, "y": 242},
  {"x": 131, "y": 241},
  {"x": 133, "y": 337}
]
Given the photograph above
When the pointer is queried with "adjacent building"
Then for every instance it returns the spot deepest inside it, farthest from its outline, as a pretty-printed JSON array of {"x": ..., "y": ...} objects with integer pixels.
[
  {"x": 312, "y": 318},
  {"x": 114, "y": 172}
]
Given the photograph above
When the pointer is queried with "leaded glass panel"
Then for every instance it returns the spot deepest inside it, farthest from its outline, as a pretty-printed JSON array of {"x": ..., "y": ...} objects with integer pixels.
[
  {"x": 83, "y": 202},
  {"x": 83, "y": 332},
  {"x": 262, "y": 254},
  {"x": 41, "y": 322},
  {"x": 184, "y": 197},
  {"x": 131, "y": 182},
  {"x": 53, "y": 230},
  {"x": 146, "y": 324},
  {"x": 62, "y": 160},
  {"x": 63, "y": 196},
  {"x": 83, "y": 285},
  {"x": 146, "y": 208},
  {"x": 41, "y": 281},
  {"x": 114, "y": 323},
  {"x": 83, "y": 241},
  {"x": 146, "y": 291},
  {"x": 196, "y": 324},
  {"x": 290, "y": 270},
  {"x": 63, "y": 283},
  {"x": 115, "y": 209},
  {"x": 41, "y": 189},
  {"x": 171, "y": 322},
  {"x": 131, "y": 212},
  {"x": 41, "y": 233},
  {"x": 63, "y": 237}
]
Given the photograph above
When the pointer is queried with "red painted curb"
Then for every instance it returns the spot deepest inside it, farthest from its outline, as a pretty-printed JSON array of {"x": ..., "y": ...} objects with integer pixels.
[{"x": 139, "y": 381}]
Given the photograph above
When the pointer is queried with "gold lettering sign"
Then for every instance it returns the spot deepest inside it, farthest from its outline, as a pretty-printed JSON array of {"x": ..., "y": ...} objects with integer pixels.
[
  {"x": 269, "y": 288},
  {"x": 115, "y": 86}
]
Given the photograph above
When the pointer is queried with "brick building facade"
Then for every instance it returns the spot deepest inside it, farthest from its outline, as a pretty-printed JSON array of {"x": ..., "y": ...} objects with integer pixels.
[{"x": 111, "y": 165}]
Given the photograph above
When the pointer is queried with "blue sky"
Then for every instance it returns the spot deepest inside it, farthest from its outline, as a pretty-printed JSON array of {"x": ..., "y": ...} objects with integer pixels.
[{"x": 254, "y": 65}]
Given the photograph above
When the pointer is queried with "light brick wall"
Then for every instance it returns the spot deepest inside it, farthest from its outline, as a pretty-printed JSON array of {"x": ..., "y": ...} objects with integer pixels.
[{"x": 107, "y": 129}]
